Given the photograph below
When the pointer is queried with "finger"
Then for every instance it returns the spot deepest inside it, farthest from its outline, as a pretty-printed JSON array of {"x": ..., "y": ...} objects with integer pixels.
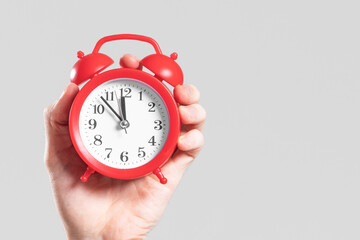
[
  {"x": 191, "y": 142},
  {"x": 186, "y": 94},
  {"x": 58, "y": 114},
  {"x": 130, "y": 61},
  {"x": 193, "y": 116}
]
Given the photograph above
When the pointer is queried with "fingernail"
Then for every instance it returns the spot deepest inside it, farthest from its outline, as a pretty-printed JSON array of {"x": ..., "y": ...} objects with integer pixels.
[
  {"x": 62, "y": 94},
  {"x": 66, "y": 91}
]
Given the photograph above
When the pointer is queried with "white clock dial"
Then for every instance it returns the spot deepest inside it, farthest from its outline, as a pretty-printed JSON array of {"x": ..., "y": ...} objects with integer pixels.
[{"x": 125, "y": 134}]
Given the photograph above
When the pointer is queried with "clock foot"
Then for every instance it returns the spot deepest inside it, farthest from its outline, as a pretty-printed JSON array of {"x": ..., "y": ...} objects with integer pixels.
[
  {"x": 87, "y": 174},
  {"x": 160, "y": 175}
]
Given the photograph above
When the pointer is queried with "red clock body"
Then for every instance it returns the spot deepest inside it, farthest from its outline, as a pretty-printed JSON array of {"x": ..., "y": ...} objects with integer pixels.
[{"x": 124, "y": 123}]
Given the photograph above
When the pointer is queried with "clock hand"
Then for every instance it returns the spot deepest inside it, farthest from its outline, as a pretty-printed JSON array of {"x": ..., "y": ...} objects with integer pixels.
[
  {"x": 119, "y": 106},
  {"x": 123, "y": 108},
  {"x": 124, "y": 123},
  {"x": 107, "y": 104}
]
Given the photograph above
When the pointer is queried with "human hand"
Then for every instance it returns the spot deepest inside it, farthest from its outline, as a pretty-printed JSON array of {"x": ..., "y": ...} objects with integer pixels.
[{"x": 106, "y": 208}]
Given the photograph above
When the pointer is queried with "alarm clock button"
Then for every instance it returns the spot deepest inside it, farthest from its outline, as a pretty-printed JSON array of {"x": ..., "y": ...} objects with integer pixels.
[
  {"x": 164, "y": 68},
  {"x": 89, "y": 65}
]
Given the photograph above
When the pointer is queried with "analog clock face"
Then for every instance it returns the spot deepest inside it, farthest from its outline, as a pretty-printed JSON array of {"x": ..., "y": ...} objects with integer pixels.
[{"x": 124, "y": 123}]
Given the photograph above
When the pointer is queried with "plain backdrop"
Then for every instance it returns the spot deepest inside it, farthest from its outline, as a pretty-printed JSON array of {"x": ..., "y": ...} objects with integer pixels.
[{"x": 279, "y": 81}]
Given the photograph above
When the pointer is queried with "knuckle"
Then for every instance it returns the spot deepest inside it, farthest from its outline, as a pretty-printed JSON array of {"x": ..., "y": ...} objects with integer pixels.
[
  {"x": 47, "y": 163},
  {"x": 50, "y": 117},
  {"x": 47, "y": 112},
  {"x": 47, "y": 157}
]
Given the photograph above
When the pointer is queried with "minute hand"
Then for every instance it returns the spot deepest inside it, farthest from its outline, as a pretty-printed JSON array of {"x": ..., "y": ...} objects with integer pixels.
[
  {"x": 107, "y": 104},
  {"x": 121, "y": 111},
  {"x": 123, "y": 107}
]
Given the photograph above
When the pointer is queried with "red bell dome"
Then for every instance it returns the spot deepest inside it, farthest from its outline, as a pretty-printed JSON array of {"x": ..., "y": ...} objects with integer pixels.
[
  {"x": 164, "y": 68},
  {"x": 87, "y": 66}
]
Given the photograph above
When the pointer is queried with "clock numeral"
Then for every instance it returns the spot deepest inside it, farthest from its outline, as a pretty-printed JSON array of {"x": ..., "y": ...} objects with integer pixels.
[
  {"x": 140, "y": 97},
  {"x": 124, "y": 156},
  {"x": 99, "y": 109},
  {"x": 141, "y": 152},
  {"x": 97, "y": 140},
  {"x": 152, "y": 106},
  {"x": 152, "y": 141},
  {"x": 125, "y": 92},
  {"x": 92, "y": 123},
  {"x": 110, "y": 150},
  {"x": 158, "y": 125},
  {"x": 109, "y": 96}
]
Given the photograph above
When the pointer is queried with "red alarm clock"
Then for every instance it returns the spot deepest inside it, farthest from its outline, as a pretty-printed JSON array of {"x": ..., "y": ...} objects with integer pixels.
[{"x": 124, "y": 123}]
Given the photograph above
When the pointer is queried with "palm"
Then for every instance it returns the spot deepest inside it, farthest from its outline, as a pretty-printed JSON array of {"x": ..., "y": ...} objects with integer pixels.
[{"x": 98, "y": 203}]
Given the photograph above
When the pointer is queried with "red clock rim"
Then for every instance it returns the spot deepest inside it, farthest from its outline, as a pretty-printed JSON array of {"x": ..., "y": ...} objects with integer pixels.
[{"x": 160, "y": 158}]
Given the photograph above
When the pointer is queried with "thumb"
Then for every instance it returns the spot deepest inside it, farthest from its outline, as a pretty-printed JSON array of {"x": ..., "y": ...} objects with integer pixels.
[
  {"x": 56, "y": 124},
  {"x": 58, "y": 145},
  {"x": 57, "y": 115}
]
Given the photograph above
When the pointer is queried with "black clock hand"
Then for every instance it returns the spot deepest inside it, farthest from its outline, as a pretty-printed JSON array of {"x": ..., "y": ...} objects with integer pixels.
[
  {"x": 118, "y": 100},
  {"x": 123, "y": 107},
  {"x": 107, "y": 104},
  {"x": 123, "y": 124}
]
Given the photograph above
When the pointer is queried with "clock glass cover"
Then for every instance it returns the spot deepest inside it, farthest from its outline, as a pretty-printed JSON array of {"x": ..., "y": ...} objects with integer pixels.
[{"x": 124, "y": 123}]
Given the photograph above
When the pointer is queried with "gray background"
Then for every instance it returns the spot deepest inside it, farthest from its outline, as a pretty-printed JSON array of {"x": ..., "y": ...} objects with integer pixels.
[{"x": 279, "y": 80}]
